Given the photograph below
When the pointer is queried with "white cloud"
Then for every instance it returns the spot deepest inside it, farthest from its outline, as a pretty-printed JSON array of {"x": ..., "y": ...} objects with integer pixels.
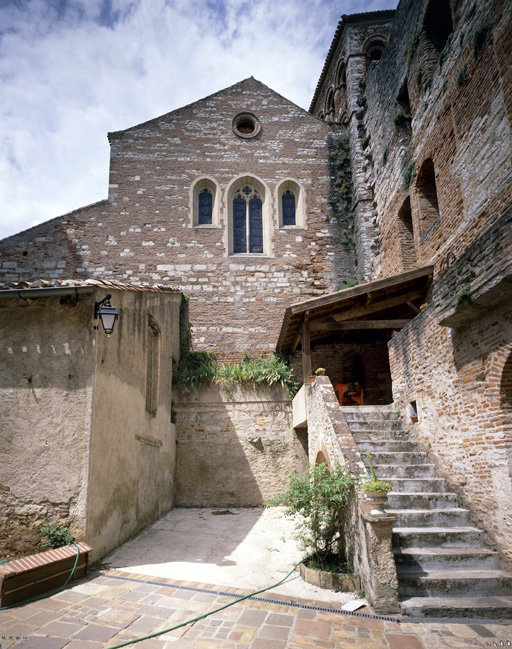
[{"x": 72, "y": 70}]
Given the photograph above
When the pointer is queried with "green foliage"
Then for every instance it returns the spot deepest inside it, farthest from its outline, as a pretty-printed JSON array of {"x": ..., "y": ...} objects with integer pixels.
[
  {"x": 425, "y": 105},
  {"x": 373, "y": 483},
  {"x": 362, "y": 84},
  {"x": 3, "y": 561},
  {"x": 341, "y": 188},
  {"x": 347, "y": 283},
  {"x": 55, "y": 535},
  {"x": 320, "y": 371},
  {"x": 409, "y": 174},
  {"x": 480, "y": 35},
  {"x": 320, "y": 501},
  {"x": 200, "y": 368},
  {"x": 385, "y": 156},
  {"x": 462, "y": 76},
  {"x": 402, "y": 117},
  {"x": 445, "y": 50},
  {"x": 413, "y": 45},
  {"x": 428, "y": 82},
  {"x": 463, "y": 296},
  {"x": 365, "y": 141},
  {"x": 418, "y": 77}
]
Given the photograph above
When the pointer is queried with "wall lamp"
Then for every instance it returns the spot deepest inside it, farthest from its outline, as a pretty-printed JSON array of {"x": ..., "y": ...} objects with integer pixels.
[{"x": 106, "y": 313}]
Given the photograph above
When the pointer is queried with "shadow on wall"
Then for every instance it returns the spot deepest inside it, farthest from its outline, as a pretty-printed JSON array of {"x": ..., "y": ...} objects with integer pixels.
[{"x": 234, "y": 449}]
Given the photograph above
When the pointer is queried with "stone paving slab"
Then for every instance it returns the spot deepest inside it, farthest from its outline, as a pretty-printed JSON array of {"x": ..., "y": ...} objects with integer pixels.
[{"x": 109, "y": 608}]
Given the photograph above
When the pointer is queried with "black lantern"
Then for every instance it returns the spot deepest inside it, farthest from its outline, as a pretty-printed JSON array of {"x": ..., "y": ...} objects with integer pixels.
[{"x": 107, "y": 314}]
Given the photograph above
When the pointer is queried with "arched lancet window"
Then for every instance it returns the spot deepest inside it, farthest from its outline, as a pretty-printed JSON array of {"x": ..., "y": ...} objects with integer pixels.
[
  {"x": 247, "y": 221},
  {"x": 205, "y": 204},
  {"x": 288, "y": 206},
  {"x": 290, "y": 199},
  {"x": 204, "y": 199}
]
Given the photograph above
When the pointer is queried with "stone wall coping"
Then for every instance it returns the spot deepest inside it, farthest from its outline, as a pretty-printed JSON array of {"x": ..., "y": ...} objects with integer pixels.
[{"x": 35, "y": 561}]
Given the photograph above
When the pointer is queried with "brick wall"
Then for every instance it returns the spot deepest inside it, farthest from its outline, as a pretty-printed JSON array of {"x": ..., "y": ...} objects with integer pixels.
[
  {"x": 144, "y": 232},
  {"x": 456, "y": 379}
]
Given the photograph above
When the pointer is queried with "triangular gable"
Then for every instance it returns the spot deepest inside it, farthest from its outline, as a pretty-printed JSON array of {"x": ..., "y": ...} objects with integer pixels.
[{"x": 250, "y": 84}]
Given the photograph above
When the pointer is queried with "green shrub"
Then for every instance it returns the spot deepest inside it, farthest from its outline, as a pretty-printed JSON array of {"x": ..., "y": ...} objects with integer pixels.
[
  {"x": 55, "y": 535},
  {"x": 373, "y": 483},
  {"x": 428, "y": 82},
  {"x": 320, "y": 499}
]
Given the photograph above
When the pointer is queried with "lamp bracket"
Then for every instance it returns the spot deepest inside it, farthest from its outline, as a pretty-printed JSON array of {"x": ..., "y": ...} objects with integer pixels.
[{"x": 98, "y": 305}]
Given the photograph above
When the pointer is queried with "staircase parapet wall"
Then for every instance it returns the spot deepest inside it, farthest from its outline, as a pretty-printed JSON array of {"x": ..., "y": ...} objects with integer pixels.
[{"x": 368, "y": 537}]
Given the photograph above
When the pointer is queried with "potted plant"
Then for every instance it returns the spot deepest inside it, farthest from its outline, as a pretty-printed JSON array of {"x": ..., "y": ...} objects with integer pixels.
[
  {"x": 376, "y": 490},
  {"x": 319, "y": 501},
  {"x": 320, "y": 371}
]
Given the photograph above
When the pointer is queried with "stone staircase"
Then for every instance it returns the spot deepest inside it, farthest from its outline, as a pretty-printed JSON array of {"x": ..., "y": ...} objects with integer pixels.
[{"x": 443, "y": 567}]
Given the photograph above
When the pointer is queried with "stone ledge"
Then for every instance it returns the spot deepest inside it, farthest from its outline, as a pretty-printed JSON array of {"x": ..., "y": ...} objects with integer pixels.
[{"x": 24, "y": 578}]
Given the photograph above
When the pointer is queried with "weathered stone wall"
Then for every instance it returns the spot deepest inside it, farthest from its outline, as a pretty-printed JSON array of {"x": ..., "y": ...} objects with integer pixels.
[
  {"x": 46, "y": 387},
  {"x": 460, "y": 120},
  {"x": 132, "y": 455},
  {"x": 234, "y": 447},
  {"x": 455, "y": 378},
  {"x": 145, "y": 232},
  {"x": 350, "y": 54}
]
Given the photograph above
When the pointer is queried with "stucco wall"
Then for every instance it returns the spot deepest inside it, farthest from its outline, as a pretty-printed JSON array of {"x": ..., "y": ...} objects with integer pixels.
[
  {"x": 131, "y": 480},
  {"x": 234, "y": 448},
  {"x": 46, "y": 384}
]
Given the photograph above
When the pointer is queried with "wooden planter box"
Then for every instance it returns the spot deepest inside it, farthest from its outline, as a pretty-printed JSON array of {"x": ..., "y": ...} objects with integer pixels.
[
  {"x": 22, "y": 579},
  {"x": 330, "y": 580}
]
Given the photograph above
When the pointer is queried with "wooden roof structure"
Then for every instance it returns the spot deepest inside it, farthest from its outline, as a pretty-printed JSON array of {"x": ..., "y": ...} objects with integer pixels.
[{"x": 384, "y": 304}]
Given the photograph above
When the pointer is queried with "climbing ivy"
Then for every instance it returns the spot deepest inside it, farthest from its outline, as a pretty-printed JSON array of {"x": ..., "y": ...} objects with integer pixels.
[{"x": 341, "y": 191}]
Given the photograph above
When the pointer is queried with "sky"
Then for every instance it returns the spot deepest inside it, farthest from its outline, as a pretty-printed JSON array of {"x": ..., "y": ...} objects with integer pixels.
[{"x": 73, "y": 70}]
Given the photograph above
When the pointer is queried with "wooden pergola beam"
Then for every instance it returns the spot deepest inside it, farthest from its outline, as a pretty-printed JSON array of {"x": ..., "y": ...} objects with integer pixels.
[
  {"x": 359, "y": 311},
  {"x": 359, "y": 324}
]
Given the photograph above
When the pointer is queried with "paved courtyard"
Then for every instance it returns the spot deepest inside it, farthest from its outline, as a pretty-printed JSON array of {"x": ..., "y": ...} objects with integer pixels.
[{"x": 115, "y": 606}]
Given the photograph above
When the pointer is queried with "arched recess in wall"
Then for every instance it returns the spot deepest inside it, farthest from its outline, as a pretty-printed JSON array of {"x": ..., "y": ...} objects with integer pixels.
[
  {"x": 205, "y": 202},
  {"x": 340, "y": 94},
  {"x": 406, "y": 236},
  {"x": 249, "y": 217},
  {"x": 426, "y": 190},
  {"x": 291, "y": 204},
  {"x": 329, "y": 105},
  {"x": 506, "y": 406},
  {"x": 437, "y": 28},
  {"x": 320, "y": 458},
  {"x": 373, "y": 48}
]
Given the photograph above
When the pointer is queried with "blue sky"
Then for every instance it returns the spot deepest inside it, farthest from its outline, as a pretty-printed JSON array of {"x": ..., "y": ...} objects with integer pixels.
[{"x": 72, "y": 70}]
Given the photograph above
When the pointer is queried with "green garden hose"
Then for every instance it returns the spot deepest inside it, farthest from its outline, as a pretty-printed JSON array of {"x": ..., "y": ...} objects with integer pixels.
[
  {"x": 201, "y": 617},
  {"x": 35, "y": 599}
]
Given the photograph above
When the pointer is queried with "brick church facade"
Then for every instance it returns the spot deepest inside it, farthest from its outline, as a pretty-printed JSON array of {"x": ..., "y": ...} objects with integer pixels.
[{"x": 240, "y": 201}]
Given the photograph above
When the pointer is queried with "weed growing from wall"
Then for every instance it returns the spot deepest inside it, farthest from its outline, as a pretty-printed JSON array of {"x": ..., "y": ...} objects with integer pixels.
[
  {"x": 409, "y": 174},
  {"x": 462, "y": 76},
  {"x": 385, "y": 156},
  {"x": 201, "y": 368}
]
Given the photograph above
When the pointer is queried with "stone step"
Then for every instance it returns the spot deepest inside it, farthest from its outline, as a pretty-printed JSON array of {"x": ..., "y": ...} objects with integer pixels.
[
  {"x": 369, "y": 416},
  {"x": 443, "y": 537},
  {"x": 470, "y": 607},
  {"x": 419, "y": 500},
  {"x": 398, "y": 457},
  {"x": 446, "y": 558},
  {"x": 385, "y": 471},
  {"x": 378, "y": 445},
  {"x": 377, "y": 425},
  {"x": 454, "y": 582},
  {"x": 381, "y": 435},
  {"x": 452, "y": 517},
  {"x": 417, "y": 485}
]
